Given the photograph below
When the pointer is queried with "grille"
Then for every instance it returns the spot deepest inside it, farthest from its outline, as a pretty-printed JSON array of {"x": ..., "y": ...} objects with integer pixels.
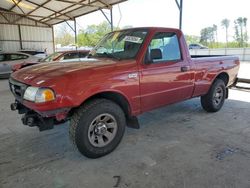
[{"x": 17, "y": 88}]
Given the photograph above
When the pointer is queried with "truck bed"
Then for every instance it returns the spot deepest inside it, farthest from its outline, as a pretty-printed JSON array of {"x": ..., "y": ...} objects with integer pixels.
[{"x": 208, "y": 66}]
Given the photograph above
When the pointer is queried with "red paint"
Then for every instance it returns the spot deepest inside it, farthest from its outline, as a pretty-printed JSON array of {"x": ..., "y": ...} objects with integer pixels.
[{"x": 156, "y": 84}]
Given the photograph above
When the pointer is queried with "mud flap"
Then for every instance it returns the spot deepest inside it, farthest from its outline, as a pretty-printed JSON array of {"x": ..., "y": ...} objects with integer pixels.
[{"x": 133, "y": 122}]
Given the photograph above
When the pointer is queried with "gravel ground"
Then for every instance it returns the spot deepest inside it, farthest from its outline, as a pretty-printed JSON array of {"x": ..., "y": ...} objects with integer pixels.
[{"x": 176, "y": 146}]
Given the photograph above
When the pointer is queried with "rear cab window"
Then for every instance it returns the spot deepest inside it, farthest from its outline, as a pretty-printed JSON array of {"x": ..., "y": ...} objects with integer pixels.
[{"x": 164, "y": 47}]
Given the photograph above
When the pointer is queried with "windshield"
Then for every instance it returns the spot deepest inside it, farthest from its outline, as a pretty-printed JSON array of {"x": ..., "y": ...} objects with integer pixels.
[
  {"x": 51, "y": 57},
  {"x": 120, "y": 44}
]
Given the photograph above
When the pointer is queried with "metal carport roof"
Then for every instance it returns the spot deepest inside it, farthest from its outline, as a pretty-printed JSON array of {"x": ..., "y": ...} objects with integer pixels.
[
  {"x": 46, "y": 13},
  {"x": 51, "y": 12}
]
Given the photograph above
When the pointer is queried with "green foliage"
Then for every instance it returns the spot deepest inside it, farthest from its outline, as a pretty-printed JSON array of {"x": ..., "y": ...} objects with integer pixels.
[
  {"x": 225, "y": 24},
  {"x": 86, "y": 37},
  {"x": 63, "y": 35},
  {"x": 240, "y": 26},
  {"x": 192, "y": 39},
  {"x": 208, "y": 35},
  {"x": 65, "y": 39},
  {"x": 233, "y": 44},
  {"x": 92, "y": 34},
  {"x": 215, "y": 28}
]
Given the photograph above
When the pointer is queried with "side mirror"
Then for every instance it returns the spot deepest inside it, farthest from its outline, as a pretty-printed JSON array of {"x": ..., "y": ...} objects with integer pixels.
[{"x": 154, "y": 55}]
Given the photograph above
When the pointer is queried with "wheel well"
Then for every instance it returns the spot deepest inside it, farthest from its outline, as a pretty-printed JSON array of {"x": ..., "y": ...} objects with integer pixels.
[
  {"x": 115, "y": 97},
  {"x": 224, "y": 77}
]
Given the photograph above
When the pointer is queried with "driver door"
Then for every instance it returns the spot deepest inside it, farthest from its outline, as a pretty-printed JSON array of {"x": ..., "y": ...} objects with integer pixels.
[{"x": 165, "y": 77}]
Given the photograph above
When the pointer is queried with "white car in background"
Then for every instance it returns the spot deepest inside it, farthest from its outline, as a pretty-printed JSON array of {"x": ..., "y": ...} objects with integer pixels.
[
  {"x": 37, "y": 53},
  {"x": 197, "y": 46},
  {"x": 8, "y": 59}
]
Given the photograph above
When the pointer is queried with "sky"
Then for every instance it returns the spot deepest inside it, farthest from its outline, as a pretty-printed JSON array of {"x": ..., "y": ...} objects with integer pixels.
[{"x": 197, "y": 14}]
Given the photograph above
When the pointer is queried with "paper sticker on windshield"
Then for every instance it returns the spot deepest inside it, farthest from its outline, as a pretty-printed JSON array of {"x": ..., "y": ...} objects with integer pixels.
[{"x": 133, "y": 39}]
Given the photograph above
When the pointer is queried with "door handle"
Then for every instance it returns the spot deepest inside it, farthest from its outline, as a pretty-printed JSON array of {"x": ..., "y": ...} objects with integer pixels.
[{"x": 185, "y": 68}]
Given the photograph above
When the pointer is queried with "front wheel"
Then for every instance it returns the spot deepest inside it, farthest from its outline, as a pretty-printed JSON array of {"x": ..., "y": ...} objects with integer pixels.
[
  {"x": 97, "y": 127},
  {"x": 214, "y": 99}
]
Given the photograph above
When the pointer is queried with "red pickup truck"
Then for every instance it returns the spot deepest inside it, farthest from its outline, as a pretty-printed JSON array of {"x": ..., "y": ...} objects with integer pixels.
[{"x": 129, "y": 72}]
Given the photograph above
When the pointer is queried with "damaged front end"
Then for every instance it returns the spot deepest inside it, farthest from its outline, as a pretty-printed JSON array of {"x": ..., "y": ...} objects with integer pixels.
[{"x": 32, "y": 118}]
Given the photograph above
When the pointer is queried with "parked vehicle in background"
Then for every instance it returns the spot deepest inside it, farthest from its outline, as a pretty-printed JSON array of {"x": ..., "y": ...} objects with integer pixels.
[
  {"x": 36, "y": 53},
  {"x": 65, "y": 56},
  {"x": 9, "y": 59},
  {"x": 197, "y": 46},
  {"x": 131, "y": 71}
]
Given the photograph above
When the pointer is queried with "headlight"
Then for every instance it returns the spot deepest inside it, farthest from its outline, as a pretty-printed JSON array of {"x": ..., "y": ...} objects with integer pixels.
[
  {"x": 30, "y": 93},
  {"x": 39, "y": 95}
]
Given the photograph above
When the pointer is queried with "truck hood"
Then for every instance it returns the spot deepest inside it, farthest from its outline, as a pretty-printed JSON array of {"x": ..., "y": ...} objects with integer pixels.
[{"x": 36, "y": 74}]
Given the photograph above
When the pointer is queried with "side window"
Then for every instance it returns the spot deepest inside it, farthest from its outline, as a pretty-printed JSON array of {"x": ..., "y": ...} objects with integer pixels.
[
  {"x": 18, "y": 56},
  {"x": 1, "y": 57},
  {"x": 73, "y": 55},
  {"x": 164, "y": 47}
]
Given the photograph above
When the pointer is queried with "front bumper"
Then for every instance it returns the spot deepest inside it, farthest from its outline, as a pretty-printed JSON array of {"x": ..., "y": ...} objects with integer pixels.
[
  {"x": 35, "y": 114},
  {"x": 43, "y": 121},
  {"x": 32, "y": 118}
]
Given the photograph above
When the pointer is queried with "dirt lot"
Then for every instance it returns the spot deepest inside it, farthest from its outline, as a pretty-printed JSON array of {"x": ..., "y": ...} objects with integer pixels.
[{"x": 177, "y": 146}]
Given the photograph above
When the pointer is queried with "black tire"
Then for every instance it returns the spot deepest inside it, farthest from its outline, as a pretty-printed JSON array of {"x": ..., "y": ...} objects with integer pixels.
[
  {"x": 210, "y": 102},
  {"x": 82, "y": 122}
]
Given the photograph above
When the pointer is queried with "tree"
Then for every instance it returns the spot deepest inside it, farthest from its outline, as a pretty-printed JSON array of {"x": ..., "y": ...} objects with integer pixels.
[
  {"x": 225, "y": 24},
  {"x": 92, "y": 34},
  {"x": 246, "y": 32},
  {"x": 240, "y": 25},
  {"x": 237, "y": 33},
  {"x": 215, "y": 31},
  {"x": 63, "y": 35},
  {"x": 207, "y": 35},
  {"x": 192, "y": 39}
]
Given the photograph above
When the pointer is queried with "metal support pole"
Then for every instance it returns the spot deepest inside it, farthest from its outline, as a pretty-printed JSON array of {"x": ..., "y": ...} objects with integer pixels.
[
  {"x": 180, "y": 22},
  {"x": 53, "y": 37},
  {"x": 75, "y": 32},
  {"x": 20, "y": 37},
  {"x": 180, "y": 7},
  {"x": 111, "y": 19}
]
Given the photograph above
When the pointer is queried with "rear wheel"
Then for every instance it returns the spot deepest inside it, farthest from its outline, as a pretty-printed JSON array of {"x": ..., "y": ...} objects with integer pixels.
[
  {"x": 214, "y": 99},
  {"x": 97, "y": 127}
]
